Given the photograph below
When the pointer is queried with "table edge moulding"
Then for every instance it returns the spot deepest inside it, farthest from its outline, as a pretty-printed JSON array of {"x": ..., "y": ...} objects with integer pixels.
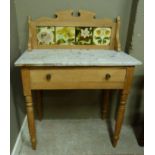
[{"x": 63, "y": 48}]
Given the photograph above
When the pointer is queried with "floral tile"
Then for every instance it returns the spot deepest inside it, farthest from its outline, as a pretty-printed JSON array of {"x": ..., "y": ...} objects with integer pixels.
[
  {"x": 102, "y": 36},
  {"x": 45, "y": 35},
  {"x": 65, "y": 35},
  {"x": 84, "y": 35}
]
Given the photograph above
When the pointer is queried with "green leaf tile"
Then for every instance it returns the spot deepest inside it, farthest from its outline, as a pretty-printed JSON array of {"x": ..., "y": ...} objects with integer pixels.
[{"x": 65, "y": 35}]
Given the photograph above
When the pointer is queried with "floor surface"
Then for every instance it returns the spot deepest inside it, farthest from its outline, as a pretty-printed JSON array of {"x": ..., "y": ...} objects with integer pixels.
[{"x": 79, "y": 137}]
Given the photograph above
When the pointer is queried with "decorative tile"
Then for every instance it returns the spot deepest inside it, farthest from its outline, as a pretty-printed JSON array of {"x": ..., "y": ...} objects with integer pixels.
[
  {"x": 65, "y": 35},
  {"x": 45, "y": 35},
  {"x": 102, "y": 36},
  {"x": 84, "y": 35}
]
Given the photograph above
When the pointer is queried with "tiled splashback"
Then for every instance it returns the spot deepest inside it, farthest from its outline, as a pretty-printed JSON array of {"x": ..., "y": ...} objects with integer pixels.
[{"x": 50, "y": 35}]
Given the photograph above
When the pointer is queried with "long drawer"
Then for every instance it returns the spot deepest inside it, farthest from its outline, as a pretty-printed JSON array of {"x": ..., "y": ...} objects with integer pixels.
[{"x": 77, "y": 77}]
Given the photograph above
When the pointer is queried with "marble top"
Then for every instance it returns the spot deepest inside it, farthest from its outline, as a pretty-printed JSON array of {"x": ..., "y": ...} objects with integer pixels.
[{"x": 75, "y": 57}]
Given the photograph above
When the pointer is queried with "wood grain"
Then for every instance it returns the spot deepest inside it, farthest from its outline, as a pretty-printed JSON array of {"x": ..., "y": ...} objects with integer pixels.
[
  {"x": 25, "y": 74},
  {"x": 117, "y": 42}
]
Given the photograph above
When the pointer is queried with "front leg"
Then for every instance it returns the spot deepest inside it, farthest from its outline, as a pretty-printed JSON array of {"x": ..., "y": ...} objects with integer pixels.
[
  {"x": 30, "y": 118},
  {"x": 123, "y": 100},
  {"x": 25, "y": 73},
  {"x": 120, "y": 117}
]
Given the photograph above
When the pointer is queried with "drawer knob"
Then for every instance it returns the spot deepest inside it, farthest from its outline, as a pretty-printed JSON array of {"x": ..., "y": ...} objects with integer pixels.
[
  {"x": 107, "y": 76},
  {"x": 48, "y": 77}
]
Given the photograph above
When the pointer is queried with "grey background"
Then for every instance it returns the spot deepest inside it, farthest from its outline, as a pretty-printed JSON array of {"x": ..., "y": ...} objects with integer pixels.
[{"x": 78, "y": 103}]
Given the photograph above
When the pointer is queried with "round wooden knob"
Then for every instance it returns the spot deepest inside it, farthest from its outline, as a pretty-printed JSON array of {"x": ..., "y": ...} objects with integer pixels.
[
  {"x": 107, "y": 76},
  {"x": 48, "y": 77}
]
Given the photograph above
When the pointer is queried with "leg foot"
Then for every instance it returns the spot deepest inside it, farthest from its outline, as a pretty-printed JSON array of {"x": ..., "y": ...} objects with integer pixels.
[
  {"x": 33, "y": 142},
  {"x": 115, "y": 140}
]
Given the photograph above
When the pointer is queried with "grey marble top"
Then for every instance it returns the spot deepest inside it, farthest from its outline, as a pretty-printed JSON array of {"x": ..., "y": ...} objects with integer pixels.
[{"x": 75, "y": 57}]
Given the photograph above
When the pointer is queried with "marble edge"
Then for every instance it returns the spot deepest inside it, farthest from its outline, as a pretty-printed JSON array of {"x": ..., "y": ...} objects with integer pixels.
[{"x": 75, "y": 65}]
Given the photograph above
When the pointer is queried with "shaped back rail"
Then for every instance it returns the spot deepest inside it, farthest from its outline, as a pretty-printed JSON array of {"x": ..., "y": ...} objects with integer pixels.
[{"x": 68, "y": 31}]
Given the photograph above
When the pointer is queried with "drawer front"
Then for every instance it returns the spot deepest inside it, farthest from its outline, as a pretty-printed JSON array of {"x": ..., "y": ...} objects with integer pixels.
[{"x": 63, "y": 77}]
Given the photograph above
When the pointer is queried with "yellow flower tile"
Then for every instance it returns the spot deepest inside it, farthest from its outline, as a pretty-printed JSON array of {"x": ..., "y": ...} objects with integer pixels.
[
  {"x": 65, "y": 35},
  {"x": 102, "y": 36}
]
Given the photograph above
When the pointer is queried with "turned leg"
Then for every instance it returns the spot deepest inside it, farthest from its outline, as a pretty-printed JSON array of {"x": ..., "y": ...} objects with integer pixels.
[
  {"x": 120, "y": 117},
  {"x": 105, "y": 110},
  {"x": 25, "y": 73},
  {"x": 30, "y": 118},
  {"x": 121, "y": 108},
  {"x": 39, "y": 106}
]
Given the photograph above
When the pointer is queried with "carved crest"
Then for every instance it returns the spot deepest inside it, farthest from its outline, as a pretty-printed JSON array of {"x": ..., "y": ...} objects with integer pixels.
[{"x": 68, "y": 14}]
